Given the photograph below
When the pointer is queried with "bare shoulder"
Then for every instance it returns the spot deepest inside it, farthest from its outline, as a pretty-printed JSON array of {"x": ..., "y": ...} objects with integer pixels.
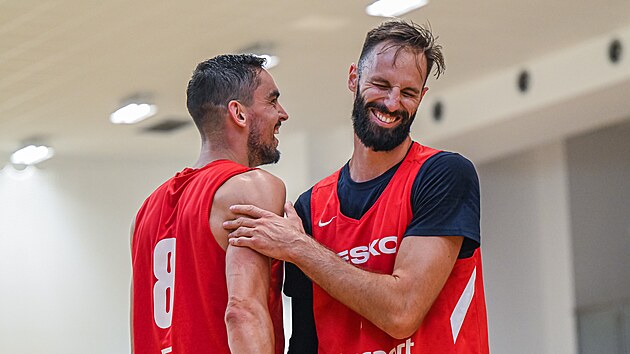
[
  {"x": 256, "y": 179},
  {"x": 255, "y": 187}
]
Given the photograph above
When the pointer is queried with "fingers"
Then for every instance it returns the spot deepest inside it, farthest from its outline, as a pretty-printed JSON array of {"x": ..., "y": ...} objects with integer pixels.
[
  {"x": 241, "y": 232},
  {"x": 240, "y": 241},
  {"x": 293, "y": 215},
  {"x": 238, "y": 222},
  {"x": 255, "y": 244},
  {"x": 250, "y": 210},
  {"x": 290, "y": 210}
]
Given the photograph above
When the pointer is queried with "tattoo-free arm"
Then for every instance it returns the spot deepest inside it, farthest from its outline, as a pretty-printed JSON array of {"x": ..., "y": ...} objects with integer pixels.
[
  {"x": 395, "y": 303},
  {"x": 247, "y": 318}
]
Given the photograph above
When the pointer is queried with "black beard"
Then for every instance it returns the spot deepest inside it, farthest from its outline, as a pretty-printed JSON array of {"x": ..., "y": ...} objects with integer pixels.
[
  {"x": 376, "y": 137},
  {"x": 259, "y": 153}
]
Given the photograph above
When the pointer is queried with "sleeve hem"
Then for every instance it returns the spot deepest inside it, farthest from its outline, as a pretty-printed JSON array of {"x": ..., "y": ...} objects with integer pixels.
[{"x": 442, "y": 232}]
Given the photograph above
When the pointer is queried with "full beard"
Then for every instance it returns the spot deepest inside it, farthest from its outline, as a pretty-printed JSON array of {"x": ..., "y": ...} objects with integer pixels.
[
  {"x": 374, "y": 136},
  {"x": 259, "y": 152}
]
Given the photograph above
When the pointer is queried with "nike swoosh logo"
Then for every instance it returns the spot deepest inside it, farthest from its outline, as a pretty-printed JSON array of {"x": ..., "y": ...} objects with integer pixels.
[{"x": 322, "y": 224}]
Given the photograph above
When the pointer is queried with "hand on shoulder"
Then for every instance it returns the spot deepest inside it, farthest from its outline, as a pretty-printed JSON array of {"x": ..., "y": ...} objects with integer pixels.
[{"x": 256, "y": 187}]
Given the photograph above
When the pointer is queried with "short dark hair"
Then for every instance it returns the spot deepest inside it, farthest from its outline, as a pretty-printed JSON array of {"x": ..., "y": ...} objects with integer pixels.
[
  {"x": 403, "y": 34},
  {"x": 217, "y": 81}
]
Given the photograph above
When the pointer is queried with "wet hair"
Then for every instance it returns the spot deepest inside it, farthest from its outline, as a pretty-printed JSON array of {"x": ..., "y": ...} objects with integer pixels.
[
  {"x": 401, "y": 34},
  {"x": 217, "y": 81}
]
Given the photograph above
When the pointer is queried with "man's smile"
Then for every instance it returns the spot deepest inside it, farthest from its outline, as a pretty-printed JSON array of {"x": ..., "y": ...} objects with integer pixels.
[{"x": 385, "y": 118}]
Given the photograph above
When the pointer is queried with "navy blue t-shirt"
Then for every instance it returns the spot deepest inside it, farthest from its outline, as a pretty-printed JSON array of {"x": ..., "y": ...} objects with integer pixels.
[{"x": 444, "y": 201}]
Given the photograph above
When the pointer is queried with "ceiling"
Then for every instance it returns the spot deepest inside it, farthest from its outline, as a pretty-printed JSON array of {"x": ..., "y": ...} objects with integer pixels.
[{"x": 65, "y": 65}]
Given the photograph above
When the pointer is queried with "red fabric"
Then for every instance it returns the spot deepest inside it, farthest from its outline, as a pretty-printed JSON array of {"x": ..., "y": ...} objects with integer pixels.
[
  {"x": 176, "y": 216},
  {"x": 372, "y": 243}
]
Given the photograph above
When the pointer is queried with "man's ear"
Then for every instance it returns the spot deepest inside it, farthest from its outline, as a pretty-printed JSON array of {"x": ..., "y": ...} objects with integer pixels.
[
  {"x": 424, "y": 91},
  {"x": 353, "y": 77},
  {"x": 237, "y": 113}
]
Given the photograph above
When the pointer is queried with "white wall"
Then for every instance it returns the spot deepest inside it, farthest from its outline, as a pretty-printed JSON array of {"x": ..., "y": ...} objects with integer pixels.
[
  {"x": 527, "y": 252},
  {"x": 65, "y": 268},
  {"x": 489, "y": 118},
  {"x": 328, "y": 150},
  {"x": 599, "y": 165},
  {"x": 293, "y": 164}
]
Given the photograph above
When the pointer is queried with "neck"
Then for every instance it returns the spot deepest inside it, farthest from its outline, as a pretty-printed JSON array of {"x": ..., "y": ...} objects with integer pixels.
[
  {"x": 212, "y": 151},
  {"x": 367, "y": 164}
]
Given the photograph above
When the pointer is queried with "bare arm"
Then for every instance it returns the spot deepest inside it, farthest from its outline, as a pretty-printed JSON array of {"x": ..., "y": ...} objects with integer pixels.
[
  {"x": 249, "y": 325},
  {"x": 247, "y": 317},
  {"x": 397, "y": 303}
]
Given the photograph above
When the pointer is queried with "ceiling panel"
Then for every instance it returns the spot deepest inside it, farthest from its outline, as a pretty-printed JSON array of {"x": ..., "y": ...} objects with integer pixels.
[{"x": 66, "y": 65}]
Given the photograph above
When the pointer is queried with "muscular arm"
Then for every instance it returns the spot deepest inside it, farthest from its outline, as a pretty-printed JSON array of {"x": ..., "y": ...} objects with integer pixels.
[
  {"x": 249, "y": 325},
  {"x": 396, "y": 303}
]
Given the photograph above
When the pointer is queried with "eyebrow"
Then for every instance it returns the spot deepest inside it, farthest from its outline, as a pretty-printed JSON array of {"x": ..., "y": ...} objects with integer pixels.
[
  {"x": 413, "y": 89},
  {"x": 273, "y": 94},
  {"x": 380, "y": 79}
]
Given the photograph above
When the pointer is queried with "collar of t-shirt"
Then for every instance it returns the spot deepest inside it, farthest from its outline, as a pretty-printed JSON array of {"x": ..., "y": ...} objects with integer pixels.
[{"x": 356, "y": 198}]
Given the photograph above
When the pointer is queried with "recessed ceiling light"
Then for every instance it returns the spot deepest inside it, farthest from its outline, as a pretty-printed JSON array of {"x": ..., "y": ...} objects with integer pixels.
[
  {"x": 133, "y": 113},
  {"x": 31, "y": 155},
  {"x": 391, "y": 8}
]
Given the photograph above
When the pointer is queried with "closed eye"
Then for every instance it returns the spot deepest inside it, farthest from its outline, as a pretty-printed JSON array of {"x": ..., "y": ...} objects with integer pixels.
[
  {"x": 410, "y": 93},
  {"x": 381, "y": 85}
]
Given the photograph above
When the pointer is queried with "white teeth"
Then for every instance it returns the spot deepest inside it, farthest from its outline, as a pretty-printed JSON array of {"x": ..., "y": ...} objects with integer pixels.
[{"x": 383, "y": 118}]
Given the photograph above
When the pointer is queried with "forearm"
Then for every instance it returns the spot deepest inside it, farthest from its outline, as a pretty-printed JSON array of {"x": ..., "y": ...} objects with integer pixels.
[
  {"x": 249, "y": 328},
  {"x": 396, "y": 303},
  {"x": 381, "y": 298}
]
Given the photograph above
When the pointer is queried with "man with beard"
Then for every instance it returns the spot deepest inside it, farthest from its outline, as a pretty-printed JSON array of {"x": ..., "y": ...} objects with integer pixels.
[
  {"x": 192, "y": 292},
  {"x": 394, "y": 254}
]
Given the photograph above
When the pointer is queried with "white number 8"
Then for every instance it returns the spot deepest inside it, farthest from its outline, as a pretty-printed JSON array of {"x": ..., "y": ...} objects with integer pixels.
[{"x": 163, "y": 290}]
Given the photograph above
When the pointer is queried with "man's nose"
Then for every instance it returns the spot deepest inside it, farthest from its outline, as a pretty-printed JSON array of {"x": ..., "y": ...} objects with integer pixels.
[
  {"x": 283, "y": 114},
  {"x": 392, "y": 102}
]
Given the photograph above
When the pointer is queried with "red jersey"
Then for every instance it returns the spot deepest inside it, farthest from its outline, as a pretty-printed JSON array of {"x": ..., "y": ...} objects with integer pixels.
[
  {"x": 456, "y": 322},
  {"x": 179, "y": 286}
]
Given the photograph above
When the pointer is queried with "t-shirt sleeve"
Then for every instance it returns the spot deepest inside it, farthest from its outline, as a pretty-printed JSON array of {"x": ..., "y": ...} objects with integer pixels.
[
  {"x": 299, "y": 287},
  {"x": 445, "y": 201},
  {"x": 296, "y": 283}
]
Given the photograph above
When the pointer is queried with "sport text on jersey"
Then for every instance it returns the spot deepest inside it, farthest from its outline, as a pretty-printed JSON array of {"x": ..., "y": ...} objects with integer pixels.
[
  {"x": 361, "y": 254},
  {"x": 397, "y": 349}
]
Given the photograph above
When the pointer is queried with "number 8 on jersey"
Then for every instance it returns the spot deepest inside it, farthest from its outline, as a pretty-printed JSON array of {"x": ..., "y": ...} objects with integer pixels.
[{"x": 163, "y": 290}]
